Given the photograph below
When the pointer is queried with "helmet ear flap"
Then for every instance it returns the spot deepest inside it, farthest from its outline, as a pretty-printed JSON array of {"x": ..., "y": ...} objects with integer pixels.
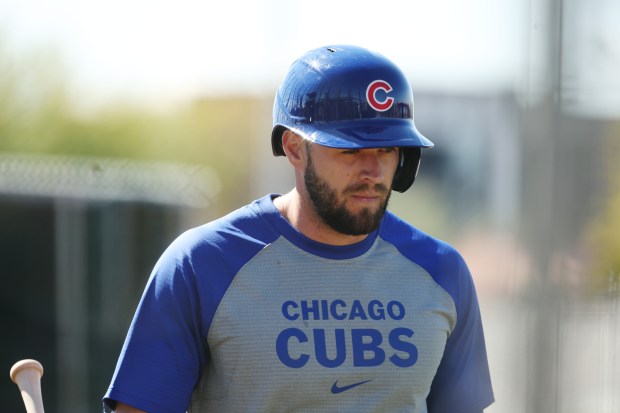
[
  {"x": 407, "y": 169},
  {"x": 276, "y": 140}
]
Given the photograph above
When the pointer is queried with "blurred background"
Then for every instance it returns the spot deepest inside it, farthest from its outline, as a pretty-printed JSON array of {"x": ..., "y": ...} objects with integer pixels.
[{"x": 124, "y": 123}]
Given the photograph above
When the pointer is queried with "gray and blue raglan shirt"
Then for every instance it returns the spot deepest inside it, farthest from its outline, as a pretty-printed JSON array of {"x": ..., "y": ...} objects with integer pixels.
[{"x": 246, "y": 314}]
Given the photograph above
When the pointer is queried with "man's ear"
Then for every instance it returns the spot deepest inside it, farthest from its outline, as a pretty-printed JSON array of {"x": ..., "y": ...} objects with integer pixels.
[{"x": 293, "y": 146}]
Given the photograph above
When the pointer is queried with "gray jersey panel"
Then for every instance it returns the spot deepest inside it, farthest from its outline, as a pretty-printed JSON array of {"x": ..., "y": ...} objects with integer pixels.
[{"x": 299, "y": 333}]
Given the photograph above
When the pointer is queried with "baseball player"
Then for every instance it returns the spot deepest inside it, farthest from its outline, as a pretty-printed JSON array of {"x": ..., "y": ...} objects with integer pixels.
[{"x": 317, "y": 300}]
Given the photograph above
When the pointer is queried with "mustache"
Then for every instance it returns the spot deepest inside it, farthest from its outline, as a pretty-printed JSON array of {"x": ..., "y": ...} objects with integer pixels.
[{"x": 379, "y": 188}]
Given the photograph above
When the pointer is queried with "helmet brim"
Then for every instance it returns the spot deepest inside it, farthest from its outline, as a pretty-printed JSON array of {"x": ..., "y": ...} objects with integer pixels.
[{"x": 363, "y": 134}]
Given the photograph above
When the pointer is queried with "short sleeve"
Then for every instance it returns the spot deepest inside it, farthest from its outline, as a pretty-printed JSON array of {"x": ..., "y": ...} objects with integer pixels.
[
  {"x": 462, "y": 383},
  {"x": 165, "y": 349}
]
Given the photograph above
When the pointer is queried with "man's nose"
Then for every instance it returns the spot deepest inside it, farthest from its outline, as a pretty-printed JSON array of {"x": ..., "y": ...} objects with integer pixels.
[{"x": 372, "y": 167}]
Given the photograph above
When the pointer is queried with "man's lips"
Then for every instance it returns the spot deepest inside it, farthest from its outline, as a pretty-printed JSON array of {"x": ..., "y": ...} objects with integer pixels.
[
  {"x": 365, "y": 191},
  {"x": 366, "y": 196}
]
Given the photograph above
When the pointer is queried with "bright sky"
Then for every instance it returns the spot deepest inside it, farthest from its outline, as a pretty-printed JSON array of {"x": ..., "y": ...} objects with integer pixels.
[{"x": 169, "y": 49}]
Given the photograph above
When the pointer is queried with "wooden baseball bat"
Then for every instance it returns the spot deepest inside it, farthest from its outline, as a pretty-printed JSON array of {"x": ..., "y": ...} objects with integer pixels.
[{"x": 27, "y": 375}]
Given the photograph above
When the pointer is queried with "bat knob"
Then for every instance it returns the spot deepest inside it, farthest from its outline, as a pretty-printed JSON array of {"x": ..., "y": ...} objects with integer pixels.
[
  {"x": 23, "y": 365},
  {"x": 27, "y": 375}
]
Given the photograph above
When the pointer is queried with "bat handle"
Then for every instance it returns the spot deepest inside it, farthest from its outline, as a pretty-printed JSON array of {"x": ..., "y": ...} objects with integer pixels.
[{"x": 27, "y": 375}]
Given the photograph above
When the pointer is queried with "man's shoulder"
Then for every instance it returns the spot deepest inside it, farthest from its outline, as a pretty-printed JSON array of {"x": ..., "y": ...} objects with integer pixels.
[
  {"x": 438, "y": 258},
  {"x": 247, "y": 224},
  {"x": 404, "y": 235}
]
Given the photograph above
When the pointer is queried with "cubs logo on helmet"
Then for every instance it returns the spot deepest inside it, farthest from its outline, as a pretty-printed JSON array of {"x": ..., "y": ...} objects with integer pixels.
[{"x": 371, "y": 95}]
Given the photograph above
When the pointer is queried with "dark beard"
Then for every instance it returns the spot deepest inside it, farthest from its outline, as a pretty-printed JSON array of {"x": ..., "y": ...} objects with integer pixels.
[{"x": 334, "y": 214}]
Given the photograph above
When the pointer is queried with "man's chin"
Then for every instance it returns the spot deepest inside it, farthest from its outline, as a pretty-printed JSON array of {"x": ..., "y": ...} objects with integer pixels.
[{"x": 361, "y": 222}]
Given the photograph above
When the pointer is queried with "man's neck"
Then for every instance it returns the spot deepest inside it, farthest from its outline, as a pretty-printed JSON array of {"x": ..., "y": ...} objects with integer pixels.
[{"x": 300, "y": 214}]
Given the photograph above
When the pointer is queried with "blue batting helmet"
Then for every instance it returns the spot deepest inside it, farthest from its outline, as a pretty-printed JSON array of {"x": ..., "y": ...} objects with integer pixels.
[{"x": 351, "y": 98}]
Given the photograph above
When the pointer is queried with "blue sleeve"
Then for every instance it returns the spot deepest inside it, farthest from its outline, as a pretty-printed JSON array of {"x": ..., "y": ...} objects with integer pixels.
[
  {"x": 462, "y": 382},
  {"x": 166, "y": 349}
]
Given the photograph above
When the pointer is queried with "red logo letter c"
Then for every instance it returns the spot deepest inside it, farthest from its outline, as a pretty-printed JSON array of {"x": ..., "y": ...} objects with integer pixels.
[{"x": 371, "y": 95}]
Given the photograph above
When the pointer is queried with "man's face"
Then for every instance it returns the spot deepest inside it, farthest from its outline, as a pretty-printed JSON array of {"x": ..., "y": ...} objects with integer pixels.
[{"x": 355, "y": 199}]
